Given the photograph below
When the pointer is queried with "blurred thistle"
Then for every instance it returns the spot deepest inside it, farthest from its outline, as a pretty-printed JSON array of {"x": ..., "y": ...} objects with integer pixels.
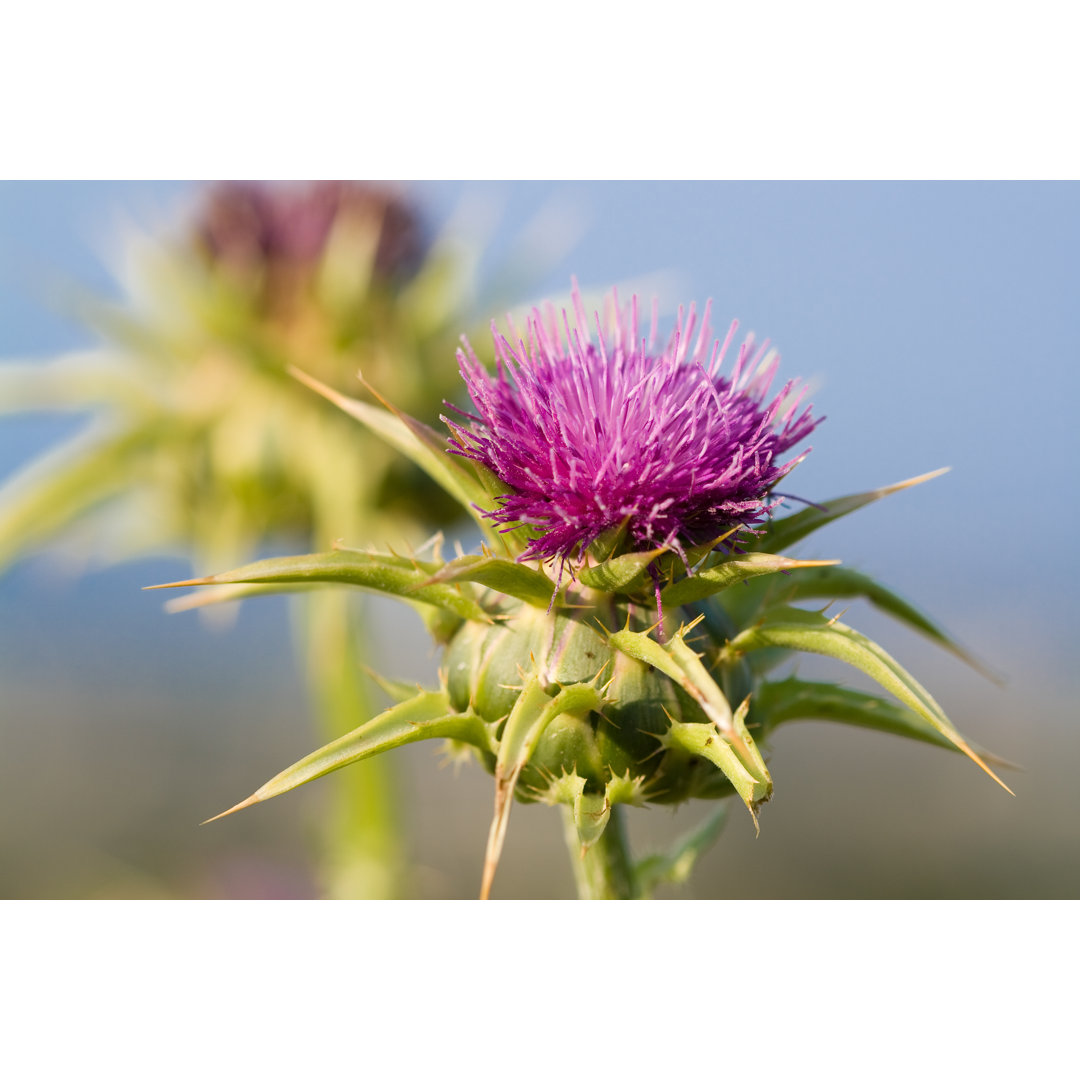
[
  {"x": 642, "y": 675},
  {"x": 204, "y": 446},
  {"x": 271, "y": 241}
]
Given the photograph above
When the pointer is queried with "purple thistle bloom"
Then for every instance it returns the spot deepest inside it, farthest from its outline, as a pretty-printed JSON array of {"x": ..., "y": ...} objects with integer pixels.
[
  {"x": 590, "y": 437},
  {"x": 252, "y": 225}
]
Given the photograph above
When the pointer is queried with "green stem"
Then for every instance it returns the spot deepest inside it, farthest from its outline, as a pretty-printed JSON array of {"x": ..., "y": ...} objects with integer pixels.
[
  {"x": 361, "y": 839},
  {"x": 605, "y": 870}
]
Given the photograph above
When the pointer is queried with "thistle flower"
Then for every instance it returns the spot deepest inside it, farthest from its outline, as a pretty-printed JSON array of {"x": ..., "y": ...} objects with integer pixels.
[
  {"x": 622, "y": 460},
  {"x": 262, "y": 228},
  {"x": 595, "y": 438}
]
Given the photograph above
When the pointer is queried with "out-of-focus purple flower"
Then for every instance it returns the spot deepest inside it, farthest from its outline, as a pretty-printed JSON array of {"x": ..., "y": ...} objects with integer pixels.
[
  {"x": 590, "y": 436},
  {"x": 253, "y": 225}
]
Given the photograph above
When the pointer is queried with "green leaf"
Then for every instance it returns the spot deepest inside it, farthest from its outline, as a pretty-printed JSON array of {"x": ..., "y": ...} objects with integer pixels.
[
  {"x": 533, "y": 711},
  {"x": 77, "y": 380},
  {"x": 784, "y": 532},
  {"x": 618, "y": 574},
  {"x": 380, "y": 573},
  {"x": 503, "y": 575},
  {"x": 440, "y": 623},
  {"x": 421, "y": 445},
  {"x": 810, "y": 631},
  {"x": 843, "y": 584},
  {"x": 675, "y": 866},
  {"x": 731, "y": 571},
  {"x": 426, "y": 716},
  {"x": 66, "y": 483},
  {"x": 776, "y": 703}
]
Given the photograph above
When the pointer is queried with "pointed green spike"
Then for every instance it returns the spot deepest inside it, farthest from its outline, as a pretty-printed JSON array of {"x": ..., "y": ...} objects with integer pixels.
[
  {"x": 731, "y": 571},
  {"x": 783, "y": 532},
  {"x": 396, "y": 690},
  {"x": 810, "y": 631},
  {"x": 426, "y": 716},
  {"x": 379, "y": 573}
]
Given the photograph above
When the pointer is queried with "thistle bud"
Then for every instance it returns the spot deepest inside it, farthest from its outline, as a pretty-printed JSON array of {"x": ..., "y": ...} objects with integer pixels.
[{"x": 616, "y": 751}]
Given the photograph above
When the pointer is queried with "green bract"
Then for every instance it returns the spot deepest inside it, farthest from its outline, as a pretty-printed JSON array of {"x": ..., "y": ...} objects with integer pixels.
[{"x": 576, "y": 696}]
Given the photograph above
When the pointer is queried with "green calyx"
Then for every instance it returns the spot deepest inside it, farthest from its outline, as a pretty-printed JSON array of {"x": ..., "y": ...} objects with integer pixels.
[{"x": 618, "y": 746}]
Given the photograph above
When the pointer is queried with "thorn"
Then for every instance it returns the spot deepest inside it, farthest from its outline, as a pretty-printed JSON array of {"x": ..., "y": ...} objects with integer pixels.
[
  {"x": 181, "y": 584},
  {"x": 963, "y": 746},
  {"x": 251, "y": 800},
  {"x": 687, "y": 627},
  {"x": 918, "y": 479}
]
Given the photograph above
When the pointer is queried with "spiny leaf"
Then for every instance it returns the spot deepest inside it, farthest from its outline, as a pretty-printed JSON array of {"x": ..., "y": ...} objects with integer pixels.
[
  {"x": 809, "y": 631},
  {"x": 421, "y": 445},
  {"x": 843, "y": 584},
  {"x": 776, "y": 703},
  {"x": 426, "y": 716},
  {"x": 533, "y": 711},
  {"x": 704, "y": 741},
  {"x": 784, "y": 532},
  {"x": 503, "y": 575},
  {"x": 738, "y": 568},
  {"x": 734, "y": 752},
  {"x": 379, "y": 573}
]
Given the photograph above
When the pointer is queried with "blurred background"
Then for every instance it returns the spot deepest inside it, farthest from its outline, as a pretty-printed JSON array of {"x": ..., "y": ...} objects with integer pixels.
[{"x": 938, "y": 326}]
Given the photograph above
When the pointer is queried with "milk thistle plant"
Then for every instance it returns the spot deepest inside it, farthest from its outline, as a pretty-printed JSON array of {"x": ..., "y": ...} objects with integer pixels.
[{"x": 612, "y": 640}]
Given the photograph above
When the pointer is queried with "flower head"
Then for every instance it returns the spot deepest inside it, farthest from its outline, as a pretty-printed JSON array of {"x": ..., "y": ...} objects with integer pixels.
[
  {"x": 252, "y": 227},
  {"x": 597, "y": 436}
]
